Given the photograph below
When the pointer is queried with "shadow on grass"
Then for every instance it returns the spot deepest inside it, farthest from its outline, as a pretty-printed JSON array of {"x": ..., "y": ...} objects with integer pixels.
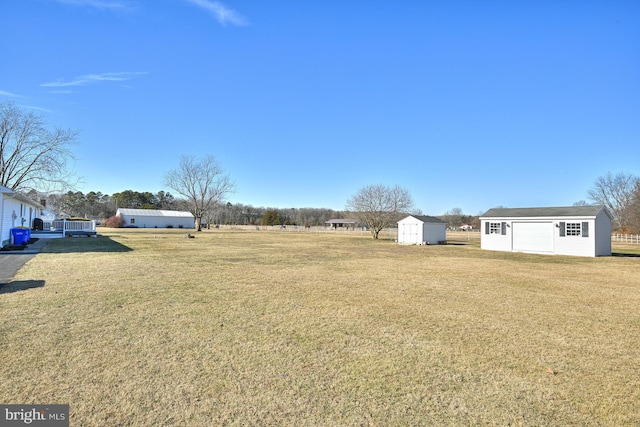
[
  {"x": 20, "y": 285},
  {"x": 85, "y": 244},
  {"x": 625, "y": 254}
]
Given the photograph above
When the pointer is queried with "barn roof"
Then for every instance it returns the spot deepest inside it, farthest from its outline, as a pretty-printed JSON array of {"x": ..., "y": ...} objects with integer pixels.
[
  {"x": 155, "y": 213},
  {"x": 342, "y": 221},
  {"x": 570, "y": 211}
]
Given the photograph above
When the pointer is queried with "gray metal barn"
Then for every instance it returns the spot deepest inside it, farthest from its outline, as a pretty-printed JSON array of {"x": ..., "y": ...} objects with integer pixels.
[{"x": 151, "y": 218}]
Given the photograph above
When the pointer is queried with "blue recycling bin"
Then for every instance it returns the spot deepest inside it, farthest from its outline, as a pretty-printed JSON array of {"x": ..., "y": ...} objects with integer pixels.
[{"x": 21, "y": 236}]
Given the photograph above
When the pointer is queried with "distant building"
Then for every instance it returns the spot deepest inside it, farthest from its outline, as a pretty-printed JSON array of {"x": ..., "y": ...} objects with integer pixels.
[
  {"x": 342, "y": 223},
  {"x": 573, "y": 230},
  {"x": 151, "y": 218}
]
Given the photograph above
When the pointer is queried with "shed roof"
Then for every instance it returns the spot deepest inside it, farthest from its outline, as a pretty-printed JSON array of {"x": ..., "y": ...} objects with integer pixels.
[
  {"x": 427, "y": 218},
  {"x": 154, "y": 212},
  {"x": 571, "y": 211}
]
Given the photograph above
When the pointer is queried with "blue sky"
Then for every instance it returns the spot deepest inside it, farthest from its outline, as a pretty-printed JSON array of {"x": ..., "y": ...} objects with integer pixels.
[{"x": 467, "y": 104}]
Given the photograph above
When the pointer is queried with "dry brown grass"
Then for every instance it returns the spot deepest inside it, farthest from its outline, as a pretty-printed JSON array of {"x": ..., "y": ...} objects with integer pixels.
[{"x": 144, "y": 327}]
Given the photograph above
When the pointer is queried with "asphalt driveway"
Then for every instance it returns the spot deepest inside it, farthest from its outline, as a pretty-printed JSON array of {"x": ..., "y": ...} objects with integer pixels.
[{"x": 12, "y": 261}]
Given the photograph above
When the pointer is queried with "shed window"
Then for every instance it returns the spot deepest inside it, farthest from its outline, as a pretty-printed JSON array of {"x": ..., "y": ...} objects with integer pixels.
[
  {"x": 572, "y": 229},
  {"x": 495, "y": 228},
  {"x": 133, "y": 221}
]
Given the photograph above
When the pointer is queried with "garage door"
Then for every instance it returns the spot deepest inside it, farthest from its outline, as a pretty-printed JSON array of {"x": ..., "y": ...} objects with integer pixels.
[{"x": 532, "y": 236}]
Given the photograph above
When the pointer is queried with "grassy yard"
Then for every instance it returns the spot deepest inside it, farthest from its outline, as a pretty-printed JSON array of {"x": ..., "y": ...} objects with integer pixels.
[{"x": 145, "y": 327}]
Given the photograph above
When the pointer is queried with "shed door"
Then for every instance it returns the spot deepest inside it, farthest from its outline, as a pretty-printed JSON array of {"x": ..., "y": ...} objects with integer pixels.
[
  {"x": 532, "y": 236},
  {"x": 410, "y": 233}
]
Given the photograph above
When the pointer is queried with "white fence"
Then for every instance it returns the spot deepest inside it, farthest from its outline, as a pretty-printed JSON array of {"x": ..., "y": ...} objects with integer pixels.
[
  {"x": 633, "y": 239},
  {"x": 386, "y": 233},
  {"x": 392, "y": 233}
]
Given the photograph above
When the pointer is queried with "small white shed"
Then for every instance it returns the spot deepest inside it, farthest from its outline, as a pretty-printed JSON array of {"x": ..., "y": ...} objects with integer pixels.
[
  {"x": 421, "y": 230},
  {"x": 572, "y": 230},
  {"x": 152, "y": 218}
]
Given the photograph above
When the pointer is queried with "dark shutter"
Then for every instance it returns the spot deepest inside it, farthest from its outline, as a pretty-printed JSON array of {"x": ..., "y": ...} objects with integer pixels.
[
  {"x": 486, "y": 227},
  {"x": 562, "y": 229},
  {"x": 503, "y": 228},
  {"x": 585, "y": 229}
]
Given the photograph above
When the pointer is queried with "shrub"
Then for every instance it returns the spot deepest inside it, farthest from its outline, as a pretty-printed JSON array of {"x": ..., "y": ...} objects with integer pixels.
[{"x": 114, "y": 222}]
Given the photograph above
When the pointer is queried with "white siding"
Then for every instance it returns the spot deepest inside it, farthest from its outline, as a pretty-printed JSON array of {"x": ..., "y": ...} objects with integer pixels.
[
  {"x": 24, "y": 215},
  {"x": 157, "y": 222},
  {"x": 434, "y": 232},
  {"x": 498, "y": 241},
  {"x": 8, "y": 207},
  {"x": 576, "y": 245},
  {"x": 602, "y": 235}
]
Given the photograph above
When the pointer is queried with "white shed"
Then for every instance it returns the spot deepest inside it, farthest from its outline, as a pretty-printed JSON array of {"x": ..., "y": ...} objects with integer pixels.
[
  {"x": 421, "y": 230},
  {"x": 151, "y": 218},
  {"x": 572, "y": 230}
]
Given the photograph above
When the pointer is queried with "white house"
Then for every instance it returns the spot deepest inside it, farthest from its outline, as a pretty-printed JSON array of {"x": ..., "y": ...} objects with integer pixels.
[
  {"x": 421, "y": 229},
  {"x": 17, "y": 210},
  {"x": 573, "y": 230},
  {"x": 151, "y": 218}
]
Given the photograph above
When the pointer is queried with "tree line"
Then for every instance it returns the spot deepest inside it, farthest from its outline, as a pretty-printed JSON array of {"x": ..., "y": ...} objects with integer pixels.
[
  {"x": 35, "y": 160},
  {"x": 620, "y": 193},
  {"x": 100, "y": 206}
]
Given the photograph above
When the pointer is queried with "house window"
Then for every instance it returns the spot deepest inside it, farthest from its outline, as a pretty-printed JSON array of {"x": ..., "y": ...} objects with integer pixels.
[
  {"x": 572, "y": 229},
  {"x": 133, "y": 221}
]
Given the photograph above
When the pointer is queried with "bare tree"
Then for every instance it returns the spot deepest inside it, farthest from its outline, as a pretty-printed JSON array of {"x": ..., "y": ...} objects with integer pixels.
[
  {"x": 379, "y": 206},
  {"x": 31, "y": 156},
  {"x": 616, "y": 193},
  {"x": 202, "y": 182},
  {"x": 454, "y": 217},
  {"x": 634, "y": 210}
]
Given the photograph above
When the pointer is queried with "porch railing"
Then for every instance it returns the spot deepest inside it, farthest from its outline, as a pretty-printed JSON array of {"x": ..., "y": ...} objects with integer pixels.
[{"x": 64, "y": 225}]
